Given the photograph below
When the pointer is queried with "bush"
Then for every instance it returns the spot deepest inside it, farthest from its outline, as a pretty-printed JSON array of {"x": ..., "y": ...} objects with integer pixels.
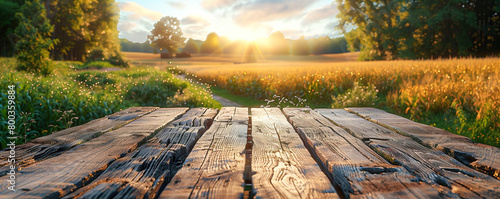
[
  {"x": 155, "y": 93},
  {"x": 97, "y": 65},
  {"x": 183, "y": 54},
  {"x": 97, "y": 54},
  {"x": 117, "y": 60},
  {"x": 358, "y": 96},
  {"x": 34, "y": 34},
  {"x": 92, "y": 79},
  {"x": 165, "y": 55}
]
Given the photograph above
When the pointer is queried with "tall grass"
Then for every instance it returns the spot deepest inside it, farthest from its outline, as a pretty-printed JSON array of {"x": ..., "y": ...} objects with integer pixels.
[
  {"x": 69, "y": 97},
  {"x": 459, "y": 95}
]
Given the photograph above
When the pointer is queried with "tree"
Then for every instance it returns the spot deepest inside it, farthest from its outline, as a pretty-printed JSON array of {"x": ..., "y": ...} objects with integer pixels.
[
  {"x": 394, "y": 29},
  {"x": 377, "y": 25},
  {"x": 211, "y": 44},
  {"x": 301, "y": 47},
  {"x": 8, "y": 10},
  {"x": 279, "y": 45},
  {"x": 191, "y": 46},
  {"x": 167, "y": 34},
  {"x": 82, "y": 25},
  {"x": 34, "y": 33},
  {"x": 437, "y": 29}
]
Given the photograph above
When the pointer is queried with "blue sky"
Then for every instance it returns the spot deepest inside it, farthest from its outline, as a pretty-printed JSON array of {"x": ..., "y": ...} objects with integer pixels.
[{"x": 236, "y": 19}]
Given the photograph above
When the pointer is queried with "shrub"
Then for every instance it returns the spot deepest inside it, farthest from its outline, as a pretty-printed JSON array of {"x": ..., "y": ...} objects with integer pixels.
[
  {"x": 92, "y": 79},
  {"x": 165, "y": 55},
  {"x": 117, "y": 60},
  {"x": 155, "y": 93},
  {"x": 96, "y": 54},
  {"x": 34, "y": 33},
  {"x": 183, "y": 54},
  {"x": 97, "y": 65},
  {"x": 358, "y": 96}
]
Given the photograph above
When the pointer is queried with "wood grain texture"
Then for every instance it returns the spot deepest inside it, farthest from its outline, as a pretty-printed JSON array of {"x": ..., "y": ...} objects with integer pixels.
[
  {"x": 281, "y": 165},
  {"x": 61, "y": 141},
  {"x": 357, "y": 170},
  {"x": 450, "y": 177},
  {"x": 482, "y": 157},
  {"x": 143, "y": 172},
  {"x": 214, "y": 168},
  {"x": 61, "y": 175}
]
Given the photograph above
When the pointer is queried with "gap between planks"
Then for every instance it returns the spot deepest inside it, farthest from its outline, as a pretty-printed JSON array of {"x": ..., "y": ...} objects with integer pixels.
[
  {"x": 61, "y": 141},
  {"x": 62, "y": 174},
  {"x": 450, "y": 177},
  {"x": 145, "y": 171},
  {"x": 481, "y": 157}
]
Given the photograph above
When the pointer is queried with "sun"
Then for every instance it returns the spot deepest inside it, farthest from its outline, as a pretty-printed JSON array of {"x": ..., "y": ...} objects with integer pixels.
[{"x": 247, "y": 34}]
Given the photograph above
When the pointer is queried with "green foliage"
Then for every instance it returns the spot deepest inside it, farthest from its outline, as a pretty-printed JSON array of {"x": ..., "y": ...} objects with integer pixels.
[
  {"x": 358, "y": 96},
  {"x": 81, "y": 25},
  {"x": 191, "y": 46},
  {"x": 211, "y": 44},
  {"x": 118, "y": 60},
  {"x": 93, "y": 79},
  {"x": 420, "y": 29},
  {"x": 97, "y": 65},
  {"x": 97, "y": 59},
  {"x": 129, "y": 46},
  {"x": 67, "y": 97},
  {"x": 167, "y": 34},
  {"x": 96, "y": 54},
  {"x": 301, "y": 47},
  {"x": 34, "y": 33},
  {"x": 155, "y": 92},
  {"x": 8, "y": 10},
  {"x": 279, "y": 44}
]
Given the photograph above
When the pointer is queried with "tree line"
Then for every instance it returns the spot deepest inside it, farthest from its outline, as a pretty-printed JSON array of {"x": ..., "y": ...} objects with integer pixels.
[
  {"x": 276, "y": 44},
  {"x": 415, "y": 29},
  {"x": 75, "y": 27}
]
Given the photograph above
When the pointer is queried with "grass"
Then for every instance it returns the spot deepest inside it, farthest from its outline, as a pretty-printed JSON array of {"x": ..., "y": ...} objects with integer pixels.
[
  {"x": 459, "y": 95},
  {"x": 70, "y": 97},
  {"x": 241, "y": 100}
]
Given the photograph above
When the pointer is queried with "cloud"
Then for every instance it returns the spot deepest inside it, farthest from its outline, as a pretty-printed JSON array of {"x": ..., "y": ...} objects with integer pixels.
[
  {"x": 137, "y": 11},
  {"x": 270, "y": 10},
  {"x": 194, "y": 31},
  {"x": 127, "y": 26},
  {"x": 319, "y": 14},
  {"x": 194, "y": 20},
  {"x": 214, "y": 4},
  {"x": 136, "y": 21},
  {"x": 135, "y": 35},
  {"x": 292, "y": 34},
  {"x": 177, "y": 4}
]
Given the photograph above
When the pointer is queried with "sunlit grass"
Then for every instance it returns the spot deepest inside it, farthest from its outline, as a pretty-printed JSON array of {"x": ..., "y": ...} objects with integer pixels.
[
  {"x": 459, "y": 95},
  {"x": 44, "y": 103}
]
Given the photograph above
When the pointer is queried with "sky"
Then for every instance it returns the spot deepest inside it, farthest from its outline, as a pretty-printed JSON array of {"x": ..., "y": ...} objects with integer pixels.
[{"x": 236, "y": 19}]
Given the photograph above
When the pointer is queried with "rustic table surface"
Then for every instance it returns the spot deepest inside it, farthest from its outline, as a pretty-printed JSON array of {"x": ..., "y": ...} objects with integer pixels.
[{"x": 149, "y": 152}]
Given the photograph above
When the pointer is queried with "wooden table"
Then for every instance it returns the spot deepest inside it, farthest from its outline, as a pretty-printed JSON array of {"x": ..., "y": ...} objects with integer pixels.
[{"x": 149, "y": 152}]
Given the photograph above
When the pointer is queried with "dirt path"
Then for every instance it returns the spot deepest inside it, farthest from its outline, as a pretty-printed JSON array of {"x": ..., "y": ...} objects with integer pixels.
[
  {"x": 221, "y": 100},
  {"x": 224, "y": 101}
]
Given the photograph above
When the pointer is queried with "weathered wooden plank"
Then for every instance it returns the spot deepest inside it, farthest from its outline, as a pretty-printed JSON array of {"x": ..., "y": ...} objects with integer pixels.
[
  {"x": 214, "y": 168},
  {"x": 282, "y": 166},
  {"x": 61, "y": 141},
  {"x": 356, "y": 169},
  {"x": 61, "y": 175},
  {"x": 446, "y": 174},
  {"x": 142, "y": 173},
  {"x": 482, "y": 157}
]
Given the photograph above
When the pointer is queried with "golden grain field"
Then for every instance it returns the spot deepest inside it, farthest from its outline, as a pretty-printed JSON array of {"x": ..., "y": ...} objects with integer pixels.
[{"x": 459, "y": 95}]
